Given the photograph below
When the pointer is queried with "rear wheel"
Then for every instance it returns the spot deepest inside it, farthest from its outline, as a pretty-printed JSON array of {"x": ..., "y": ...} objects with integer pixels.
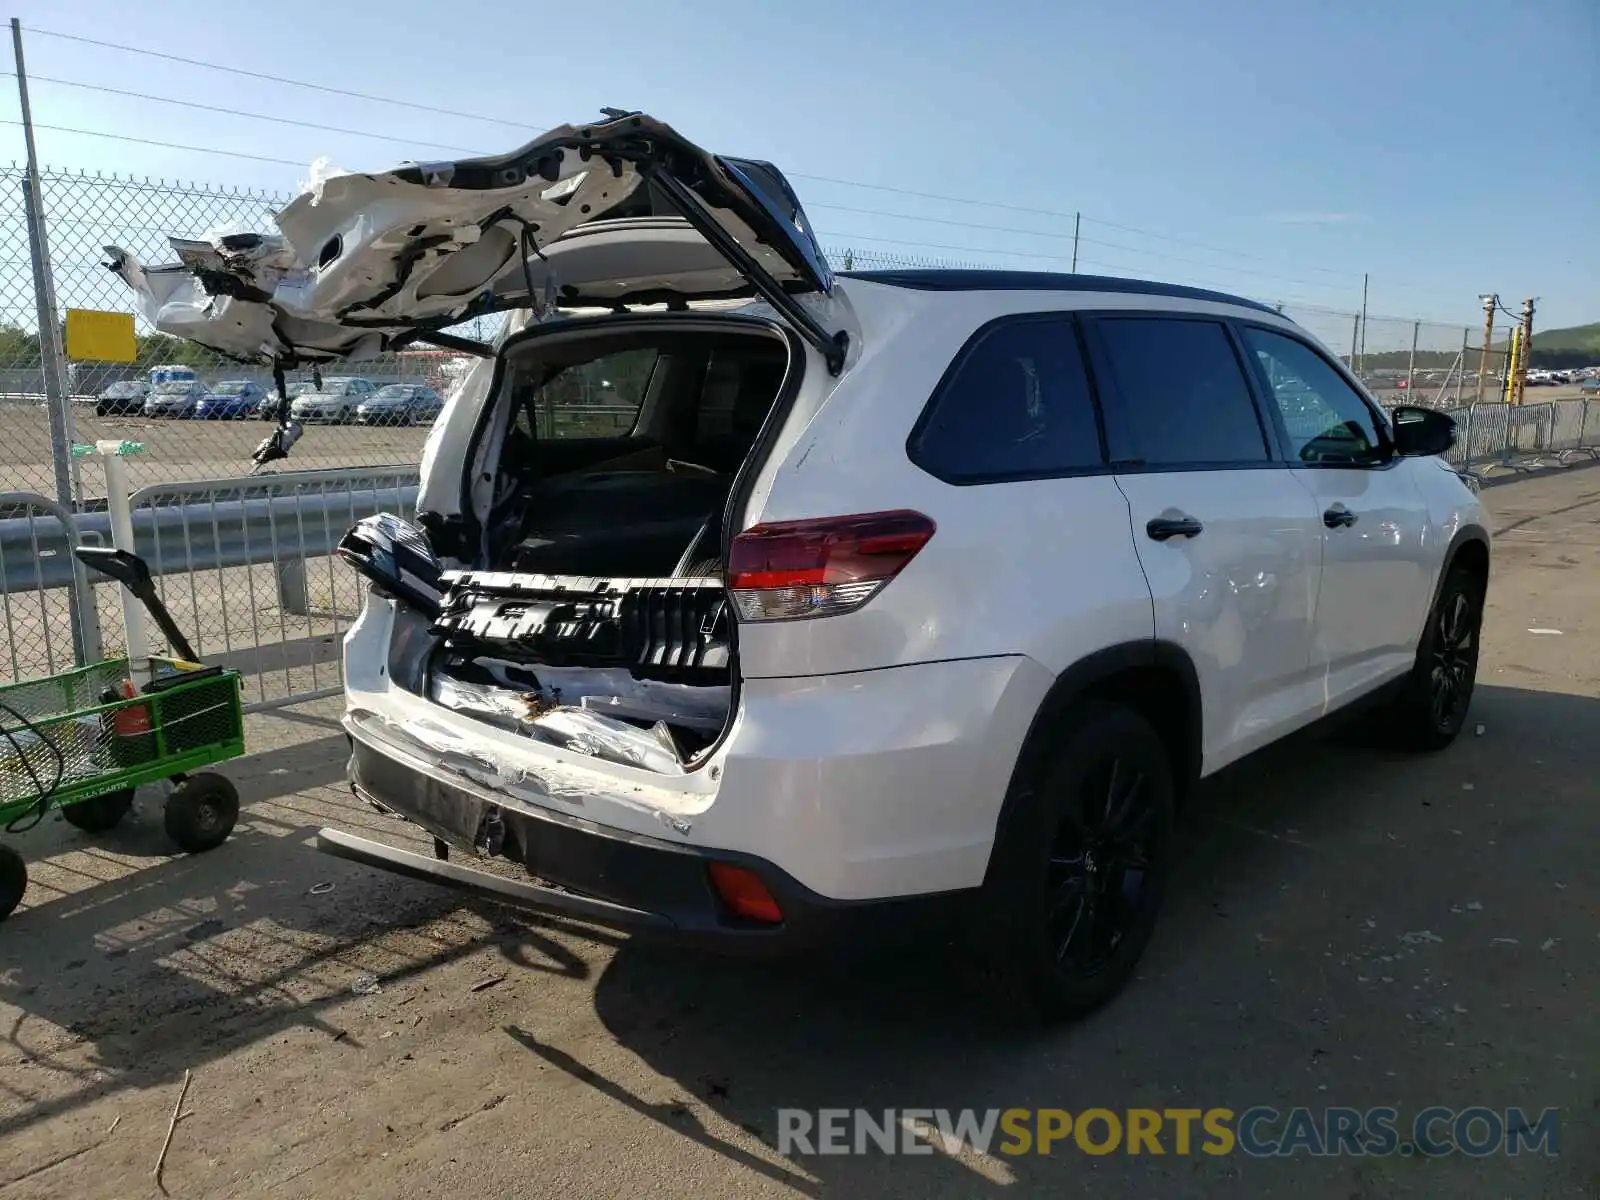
[
  {"x": 1083, "y": 864},
  {"x": 13, "y": 880},
  {"x": 1432, "y": 706},
  {"x": 99, "y": 813}
]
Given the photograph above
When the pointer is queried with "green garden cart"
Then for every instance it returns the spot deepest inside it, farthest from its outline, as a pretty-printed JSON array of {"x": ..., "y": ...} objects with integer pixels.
[{"x": 84, "y": 740}]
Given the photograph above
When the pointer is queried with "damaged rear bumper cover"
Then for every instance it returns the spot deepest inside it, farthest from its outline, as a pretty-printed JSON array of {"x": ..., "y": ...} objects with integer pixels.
[{"x": 603, "y": 876}]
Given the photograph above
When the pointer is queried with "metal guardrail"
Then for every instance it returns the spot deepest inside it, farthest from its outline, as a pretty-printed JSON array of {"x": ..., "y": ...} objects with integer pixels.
[
  {"x": 246, "y": 563},
  {"x": 199, "y": 526},
  {"x": 33, "y": 621}
]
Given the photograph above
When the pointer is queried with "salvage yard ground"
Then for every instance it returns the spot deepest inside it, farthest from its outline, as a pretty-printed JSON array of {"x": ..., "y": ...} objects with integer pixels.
[{"x": 499, "y": 1055}]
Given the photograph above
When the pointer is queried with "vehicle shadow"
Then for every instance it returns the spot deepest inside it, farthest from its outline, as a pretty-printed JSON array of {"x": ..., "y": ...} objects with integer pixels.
[
  {"x": 132, "y": 962},
  {"x": 1236, "y": 1003}
]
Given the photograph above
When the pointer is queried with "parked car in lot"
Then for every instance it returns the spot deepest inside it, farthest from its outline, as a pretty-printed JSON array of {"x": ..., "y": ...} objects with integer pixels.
[
  {"x": 334, "y": 403},
  {"x": 175, "y": 398},
  {"x": 267, "y": 410},
  {"x": 231, "y": 400},
  {"x": 911, "y": 599},
  {"x": 123, "y": 398},
  {"x": 400, "y": 404}
]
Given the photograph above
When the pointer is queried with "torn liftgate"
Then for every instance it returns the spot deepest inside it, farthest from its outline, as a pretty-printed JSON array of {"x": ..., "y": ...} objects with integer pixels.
[
  {"x": 364, "y": 264},
  {"x": 632, "y": 671}
]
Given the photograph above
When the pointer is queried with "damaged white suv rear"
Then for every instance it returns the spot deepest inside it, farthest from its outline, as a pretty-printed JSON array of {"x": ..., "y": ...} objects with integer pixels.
[{"x": 754, "y": 605}]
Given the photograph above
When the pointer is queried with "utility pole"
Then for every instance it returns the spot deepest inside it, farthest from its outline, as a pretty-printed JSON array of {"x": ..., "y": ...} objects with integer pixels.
[
  {"x": 1362, "y": 369},
  {"x": 1411, "y": 363},
  {"x": 51, "y": 355},
  {"x": 1077, "y": 220},
  {"x": 1527, "y": 346},
  {"x": 1491, "y": 301}
]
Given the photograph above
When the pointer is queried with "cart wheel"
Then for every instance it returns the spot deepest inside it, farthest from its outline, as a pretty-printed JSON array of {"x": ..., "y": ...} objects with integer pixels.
[
  {"x": 13, "y": 880},
  {"x": 201, "y": 811},
  {"x": 99, "y": 813}
]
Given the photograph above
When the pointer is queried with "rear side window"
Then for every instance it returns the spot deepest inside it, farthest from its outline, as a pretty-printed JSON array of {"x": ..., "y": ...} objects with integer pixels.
[
  {"x": 1183, "y": 398},
  {"x": 1017, "y": 406},
  {"x": 598, "y": 398}
]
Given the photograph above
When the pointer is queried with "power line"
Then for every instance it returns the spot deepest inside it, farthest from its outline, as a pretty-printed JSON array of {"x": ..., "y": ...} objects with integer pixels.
[
  {"x": 530, "y": 128},
  {"x": 1068, "y": 237},
  {"x": 854, "y": 236},
  {"x": 118, "y": 137},
  {"x": 234, "y": 112},
  {"x": 1047, "y": 212},
  {"x": 300, "y": 83},
  {"x": 1028, "y": 254}
]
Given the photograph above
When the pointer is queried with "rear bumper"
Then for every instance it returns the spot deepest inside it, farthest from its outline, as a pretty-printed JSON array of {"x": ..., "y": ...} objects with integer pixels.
[{"x": 611, "y": 877}]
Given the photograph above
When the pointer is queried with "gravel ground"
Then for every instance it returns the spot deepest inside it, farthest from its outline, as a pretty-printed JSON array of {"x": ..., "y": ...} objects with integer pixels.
[{"x": 1348, "y": 927}]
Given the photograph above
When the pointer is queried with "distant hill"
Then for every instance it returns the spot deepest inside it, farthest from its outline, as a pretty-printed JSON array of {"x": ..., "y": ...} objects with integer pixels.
[
  {"x": 1580, "y": 339},
  {"x": 1574, "y": 346}
]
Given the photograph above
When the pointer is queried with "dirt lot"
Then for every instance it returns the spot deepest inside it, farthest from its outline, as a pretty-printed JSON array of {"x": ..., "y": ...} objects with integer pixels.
[{"x": 505, "y": 1056}]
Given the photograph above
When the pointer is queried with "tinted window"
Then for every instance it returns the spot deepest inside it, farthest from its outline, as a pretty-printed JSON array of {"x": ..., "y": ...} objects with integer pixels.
[
  {"x": 598, "y": 398},
  {"x": 1017, "y": 405},
  {"x": 1184, "y": 398},
  {"x": 1326, "y": 419}
]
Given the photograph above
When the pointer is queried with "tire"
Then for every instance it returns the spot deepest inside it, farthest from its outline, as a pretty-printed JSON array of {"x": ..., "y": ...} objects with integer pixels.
[
  {"x": 1078, "y": 879},
  {"x": 1432, "y": 706},
  {"x": 201, "y": 812},
  {"x": 13, "y": 880},
  {"x": 99, "y": 813}
]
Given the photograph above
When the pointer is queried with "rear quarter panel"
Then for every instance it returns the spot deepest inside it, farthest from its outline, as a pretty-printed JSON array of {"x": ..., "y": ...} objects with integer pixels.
[{"x": 1042, "y": 568}]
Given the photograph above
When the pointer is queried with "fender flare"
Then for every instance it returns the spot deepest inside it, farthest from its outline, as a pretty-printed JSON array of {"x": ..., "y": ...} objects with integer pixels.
[
  {"x": 1079, "y": 679},
  {"x": 1467, "y": 533}
]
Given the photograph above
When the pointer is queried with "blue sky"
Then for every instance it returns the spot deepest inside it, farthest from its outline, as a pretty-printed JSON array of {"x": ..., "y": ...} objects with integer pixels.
[{"x": 1278, "y": 149}]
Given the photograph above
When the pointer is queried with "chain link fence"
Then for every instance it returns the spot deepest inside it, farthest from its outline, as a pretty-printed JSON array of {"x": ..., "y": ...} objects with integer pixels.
[
  {"x": 245, "y": 563},
  {"x": 205, "y": 419}
]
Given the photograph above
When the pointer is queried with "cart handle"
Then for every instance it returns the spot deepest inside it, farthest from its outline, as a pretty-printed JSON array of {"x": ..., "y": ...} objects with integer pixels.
[{"x": 133, "y": 573}]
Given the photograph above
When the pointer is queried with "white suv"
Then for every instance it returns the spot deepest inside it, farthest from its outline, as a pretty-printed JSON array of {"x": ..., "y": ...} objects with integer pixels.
[{"x": 752, "y": 604}]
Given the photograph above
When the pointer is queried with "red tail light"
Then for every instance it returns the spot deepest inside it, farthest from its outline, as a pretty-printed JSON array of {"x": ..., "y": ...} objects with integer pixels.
[
  {"x": 743, "y": 892},
  {"x": 822, "y": 566}
]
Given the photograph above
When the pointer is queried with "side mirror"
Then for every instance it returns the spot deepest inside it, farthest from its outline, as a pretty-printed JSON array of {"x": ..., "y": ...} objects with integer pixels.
[{"x": 1421, "y": 432}]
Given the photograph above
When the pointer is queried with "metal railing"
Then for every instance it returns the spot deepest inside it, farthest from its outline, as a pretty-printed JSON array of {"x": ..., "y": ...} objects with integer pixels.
[
  {"x": 247, "y": 568},
  {"x": 47, "y": 608}
]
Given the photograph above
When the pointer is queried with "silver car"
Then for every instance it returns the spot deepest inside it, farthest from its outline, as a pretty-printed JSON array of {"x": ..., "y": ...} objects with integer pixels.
[
  {"x": 334, "y": 403},
  {"x": 400, "y": 404},
  {"x": 175, "y": 398}
]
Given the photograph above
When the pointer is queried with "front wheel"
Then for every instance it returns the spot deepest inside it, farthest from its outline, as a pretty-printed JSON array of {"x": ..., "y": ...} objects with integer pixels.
[
  {"x": 13, "y": 880},
  {"x": 1079, "y": 874},
  {"x": 1433, "y": 702},
  {"x": 201, "y": 812}
]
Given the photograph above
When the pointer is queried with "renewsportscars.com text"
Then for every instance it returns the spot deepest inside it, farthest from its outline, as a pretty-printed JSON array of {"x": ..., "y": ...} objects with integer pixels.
[{"x": 1257, "y": 1132}]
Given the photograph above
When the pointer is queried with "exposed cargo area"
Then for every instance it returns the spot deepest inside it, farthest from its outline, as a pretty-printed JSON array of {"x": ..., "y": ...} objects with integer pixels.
[{"x": 604, "y": 624}]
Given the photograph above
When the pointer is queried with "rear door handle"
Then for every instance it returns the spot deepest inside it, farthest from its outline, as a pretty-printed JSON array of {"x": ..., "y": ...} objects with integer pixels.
[
  {"x": 1182, "y": 525},
  {"x": 1338, "y": 517}
]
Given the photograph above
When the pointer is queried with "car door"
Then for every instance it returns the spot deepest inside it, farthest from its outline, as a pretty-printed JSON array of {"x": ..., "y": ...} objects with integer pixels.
[
  {"x": 1229, "y": 540},
  {"x": 1377, "y": 573}
]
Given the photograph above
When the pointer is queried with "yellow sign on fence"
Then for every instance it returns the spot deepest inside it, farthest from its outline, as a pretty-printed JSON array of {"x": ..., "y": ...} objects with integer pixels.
[{"x": 100, "y": 336}]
